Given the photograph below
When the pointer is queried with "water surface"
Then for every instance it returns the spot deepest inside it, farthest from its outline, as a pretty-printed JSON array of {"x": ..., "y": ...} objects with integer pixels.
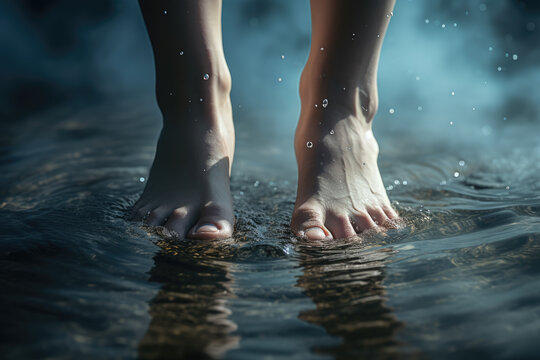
[{"x": 460, "y": 279}]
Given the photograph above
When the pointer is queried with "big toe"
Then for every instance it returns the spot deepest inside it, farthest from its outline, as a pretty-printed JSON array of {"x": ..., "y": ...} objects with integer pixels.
[
  {"x": 308, "y": 224},
  {"x": 214, "y": 223}
]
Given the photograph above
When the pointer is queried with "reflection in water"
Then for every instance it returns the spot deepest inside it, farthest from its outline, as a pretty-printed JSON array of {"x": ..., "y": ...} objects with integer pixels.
[
  {"x": 345, "y": 283},
  {"x": 189, "y": 314}
]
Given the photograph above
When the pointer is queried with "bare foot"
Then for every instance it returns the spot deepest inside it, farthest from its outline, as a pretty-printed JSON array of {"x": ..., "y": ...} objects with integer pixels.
[
  {"x": 340, "y": 190},
  {"x": 188, "y": 187}
]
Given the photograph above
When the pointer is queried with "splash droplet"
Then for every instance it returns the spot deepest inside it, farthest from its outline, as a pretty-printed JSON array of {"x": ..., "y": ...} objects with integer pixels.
[
  {"x": 499, "y": 68},
  {"x": 206, "y": 77},
  {"x": 309, "y": 144},
  {"x": 141, "y": 179},
  {"x": 514, "y": 57},
  {"x": 456, "y": 174},
  {"x": 461, "y": 163},
  {"x": 181, "y": 52},
  {"x": 325, "y": 103},
  {"x": 391, "y": 111},
  {"x": 332, "y": 132}
]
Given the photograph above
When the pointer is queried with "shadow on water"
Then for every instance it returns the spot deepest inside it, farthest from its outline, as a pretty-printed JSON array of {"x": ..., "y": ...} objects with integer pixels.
[{"x": 189, "y": 314}]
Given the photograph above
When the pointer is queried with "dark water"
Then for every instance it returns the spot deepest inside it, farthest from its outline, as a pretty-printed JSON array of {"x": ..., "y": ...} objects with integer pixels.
[
  {"x": 460, "y": 157},
  {"x": 462, "y": 278}
]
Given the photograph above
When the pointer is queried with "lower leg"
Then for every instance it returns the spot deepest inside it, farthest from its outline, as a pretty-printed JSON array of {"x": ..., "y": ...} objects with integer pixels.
[
  {"x": 340, "y": 191},
  {"x": 188, "y": 186}
]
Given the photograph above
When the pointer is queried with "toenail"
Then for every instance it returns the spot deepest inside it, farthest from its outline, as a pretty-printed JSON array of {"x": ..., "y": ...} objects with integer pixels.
[
  {"x": 207, "y": 228},
  {"x": 315, "y": 233}
]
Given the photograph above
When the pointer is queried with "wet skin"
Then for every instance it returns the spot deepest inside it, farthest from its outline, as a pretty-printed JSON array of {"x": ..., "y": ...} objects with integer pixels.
[{"x": 340, "y": 191}]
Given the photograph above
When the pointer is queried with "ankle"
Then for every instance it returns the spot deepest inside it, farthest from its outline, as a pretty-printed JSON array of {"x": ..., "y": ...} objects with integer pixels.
[
  {"x": 204, "y": 90},
  {"x": 321, "y": 90}
]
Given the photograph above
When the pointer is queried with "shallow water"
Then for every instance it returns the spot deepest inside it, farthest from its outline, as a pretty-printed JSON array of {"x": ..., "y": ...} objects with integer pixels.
[{"x": 460, "y": 279}]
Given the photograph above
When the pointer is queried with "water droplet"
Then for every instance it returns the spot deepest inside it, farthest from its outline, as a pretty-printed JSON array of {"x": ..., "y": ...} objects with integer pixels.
[
  {"x": 201, "y": 99},
  {"x": 256, "y": 183},
  {"x": 378, "y": 35},
  {"x": 461, "y": 163},
  {"x": 443, "y": 26},
  {"x": 322, "y": 49},
  {"x": 164, "y": 12},
  {"x": 442, "y": 182},
  {"x": 309, "y": 144},
  {"x": 279, "y": 79},
  {"x": 170, "y": 93},
  {"x": 391, "y": 111},
  {"x": 420, "y": 108},
  {"x": 451, "y": 123},
  {"x": 316, "y": 105},
  {"x": 181, "y": 52},
  {"x": 141, "y": 179},
  {"x": 506, "y": 55},
  {"x": 404, "y": 182},
  {"x": 507, "y": 188},
  {"x": 456, "y": 174},
  {"x": 490, "y": 48},
  {"x": 332, "y": 132},
  {"x": 453, "y": 93},
  {"x": 390, "y": 187},
  {"x": 325, "y": 103},
  {"x": 206, "y": 77},
  {"x": 426, "y": 21},
  {"x": 514, "y": 57},
  {"x": 396, "y": 182},
  {"x": 499, "y": 68},
  {"x": 282, "y": 57},
  {"x": 344, "y": 89},
  {"x": 455, "y": 24}
]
